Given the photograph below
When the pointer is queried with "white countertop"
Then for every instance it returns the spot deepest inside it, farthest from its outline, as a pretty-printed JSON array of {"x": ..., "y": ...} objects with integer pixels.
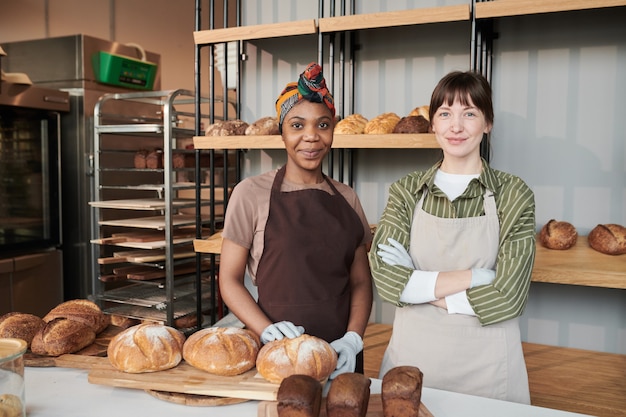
[{"x": 62, "y": 392}]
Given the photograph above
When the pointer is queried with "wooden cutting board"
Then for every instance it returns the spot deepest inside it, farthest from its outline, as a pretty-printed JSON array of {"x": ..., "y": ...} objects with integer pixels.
[
  {"x": 374, "y": 408},
  {"x": 184, "y": 378}
]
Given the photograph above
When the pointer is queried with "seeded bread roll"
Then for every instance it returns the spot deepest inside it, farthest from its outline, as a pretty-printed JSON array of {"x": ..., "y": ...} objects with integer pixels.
[
  {"x": 299, "y": 396},
  {"x": 223, "y": 351},
  {"x": 83, "y": 311},
  {"x": 382, "y": 124},
  {"x": 146, "y": 348},
  {"x": 263, "y": 126},
  {"x": 348, "y": 396},
  {"x": 558, "y": 235},
  {"x": 60, "y": 336},
  {"x": 20, "y": 326},
  {"x": 306, "y": 355},
  {"x": 609, "y": 239},
  {"x": 402, "y": 392}
]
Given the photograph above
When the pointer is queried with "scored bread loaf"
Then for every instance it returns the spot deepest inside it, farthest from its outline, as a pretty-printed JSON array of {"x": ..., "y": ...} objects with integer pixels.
[
  {"x": 20, "y": 326},
  {"x": 264, "y": 126},
  {"x": 81, "y": 310},
  {"x": 223, "y": 351},
  {"x": 348, "y": 396},
  {"x": 60, "y": 336},
  {"x": 353, "y": 124},
  {"x": 146, "y": 348},
  {"x": 299, "y": 396},
  {"x": 609, "y": 239},
  {"x": 558, "y": 235},
  {"x": 401, "y": 391},
  {"x": 382, "y": 124},
  {"x": 306, "y": 355}
]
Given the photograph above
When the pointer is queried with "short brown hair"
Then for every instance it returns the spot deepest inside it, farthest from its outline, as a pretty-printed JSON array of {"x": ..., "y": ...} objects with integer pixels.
[{"x": 465, "y": 86}]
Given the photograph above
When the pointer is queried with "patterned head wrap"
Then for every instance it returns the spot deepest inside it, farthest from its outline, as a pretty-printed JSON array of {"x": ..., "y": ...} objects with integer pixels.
[{"x": 310, "y": 86}]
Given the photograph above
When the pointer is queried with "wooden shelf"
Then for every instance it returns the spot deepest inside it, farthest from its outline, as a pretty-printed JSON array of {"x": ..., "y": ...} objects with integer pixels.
[
  {"x": 212, "y": 244},
  {"x": 397, "y": 141},
  {"x": 579, "y": 265},
  {"x": 503, "y": 8},
  {"x": 243, "y": 33},
  {"x": 395, "y": 18}
]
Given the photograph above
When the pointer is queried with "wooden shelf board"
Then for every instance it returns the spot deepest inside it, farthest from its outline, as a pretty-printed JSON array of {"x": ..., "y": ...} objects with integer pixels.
[
  {"x": 502, "y": 8},
  {"x": 579, "y": 265},
  {"x": 243, "y": 33},
  {"x": 395, "y": 18},
  {"x": 398, "y": 141},
  {"x": 212, "y": 244}
]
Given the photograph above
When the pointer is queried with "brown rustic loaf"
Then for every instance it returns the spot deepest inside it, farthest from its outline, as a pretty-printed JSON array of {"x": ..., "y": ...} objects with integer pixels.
[
  {"x": 154, "y": 159},
  {"x": 20, "y": 326},
  {"x": 609, "y": 239},
  {"x": 299, "y": 396},
  {"x": 348, "y": 396},
  {"x": 412, "y": 124},
  {"x": 306, "y": 355},
  {"x": 382, "y": 124},
  {"x": 264, "y": 126},
  {"x": 227, "y": 128},
  {"x": 83, "y": 311},
  {"x": 401, "y": 392},
  {"x": 60, "y": 336},
  {"x": 146, "y": 348},
  {"x": 558, "y": 235},
  {"x": 140, "y": 159},
  {"x": 223, "y": 351},
  {"x": 353, "y": 124}
]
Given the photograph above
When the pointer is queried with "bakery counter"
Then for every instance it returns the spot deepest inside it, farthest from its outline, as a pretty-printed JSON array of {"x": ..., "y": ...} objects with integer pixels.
[{"x": 62, "y": 392}]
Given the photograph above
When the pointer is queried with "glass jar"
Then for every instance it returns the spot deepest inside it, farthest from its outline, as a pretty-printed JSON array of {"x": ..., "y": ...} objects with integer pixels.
[{"x": 12, "y": 398}]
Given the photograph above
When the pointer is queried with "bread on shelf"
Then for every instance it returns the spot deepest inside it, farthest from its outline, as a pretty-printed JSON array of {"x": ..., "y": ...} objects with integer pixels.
[
  {"x": 353, "y": 124},
  {"x": 264, "y": 126},
  {"x": 227, "y": 128},
  {"x": 382, "y": 124},
  {"x": 558, "y": 235},
  {"x": 609, "y": 239},
  {"x": 412, "y": 124}
]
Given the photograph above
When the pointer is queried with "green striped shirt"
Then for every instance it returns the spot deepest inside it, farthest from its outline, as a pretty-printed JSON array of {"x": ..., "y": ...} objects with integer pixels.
[{"x": 506, "y": 297}]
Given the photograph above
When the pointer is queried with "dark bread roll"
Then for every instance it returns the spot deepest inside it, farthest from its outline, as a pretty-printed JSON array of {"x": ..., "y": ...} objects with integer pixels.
[
  {"x": 609, "y": 239},
  {"x": 154, "y": 159},
  {"x": 226, "y": 351},
  {"x": 264, "y": 126},
  {"x": 81, "y": 310},
  {"x": 558, "y": 235},
  {"x": 401, "y": 391},
  {"x": 60, "y": 336},
  {"x": 348, "y": 396},
  {"x": 20, "y": 326},
  {"x": 140, "y": 159},
  {"x": 412, "y": 124},
  {"x": 299, "y": 396}
]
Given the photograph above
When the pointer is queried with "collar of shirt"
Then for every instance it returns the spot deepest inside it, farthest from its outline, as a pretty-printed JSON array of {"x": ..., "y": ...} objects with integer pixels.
[{"x": 487, "y": 179}]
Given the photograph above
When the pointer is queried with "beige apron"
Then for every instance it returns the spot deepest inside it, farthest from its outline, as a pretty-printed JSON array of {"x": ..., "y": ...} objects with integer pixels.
[{"x": 454, "y": 351}]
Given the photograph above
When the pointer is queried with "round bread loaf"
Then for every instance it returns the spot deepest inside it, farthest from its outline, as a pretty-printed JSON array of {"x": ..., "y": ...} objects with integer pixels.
[
  {"x": 223, "y": 351},
  {"x": 353, "y": 124},
  {"x": 412, "y": 124},
  {"x": 382, "y": 124},
  {"x": 20, "y": 326},
  {"x": 146, "y": 348},
  {"x": 11, "y": 406},
  {"x": 83, "y": 311},
  {"x": 264, "y": 126},
  {"x": 609, "y": 239},
  {"x": 306, "y": 355},
  {"x": 558, "y": 235},
  {"x": 423, "y": 111},
  {"x": 227, "y": 128},
  {"x": 60, "y": 336}
]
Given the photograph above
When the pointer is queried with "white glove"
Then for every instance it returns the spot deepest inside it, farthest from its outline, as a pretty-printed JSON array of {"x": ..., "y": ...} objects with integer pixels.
[
  {"x": 280, "y": 330},
  {"x": 482, "y": 276},
  {"x": 347, "y": 348},
  {"x": 395, "y": 254}
]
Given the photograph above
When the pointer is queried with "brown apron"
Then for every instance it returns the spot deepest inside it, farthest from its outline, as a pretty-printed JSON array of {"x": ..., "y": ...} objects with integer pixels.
[
  {"x": 454, "y": 351},
  {"x": 304, "y": 273}
]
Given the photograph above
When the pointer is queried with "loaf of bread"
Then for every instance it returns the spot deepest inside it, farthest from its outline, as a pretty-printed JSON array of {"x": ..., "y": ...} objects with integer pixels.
[
  {"x": 227, "y": 128},
  {"x": 306, "y": 355},
  {"x": 412, "y": 124},
  {"x": 123, "y": 321},
  {"x": 146, "y": 348},
  {"x": 11, "y": 406},
  {"x": 264, "y": 126},
  {"x": 421, "y": 111},
  {"x": 558, "y": 235},
  {"x": 348, "y": 396},
  {"x": 154, "y": 159},
  {"x": 401, "y": 392},
  {"x": 299, "y": 396},
  {"x": 20, "y": 326},
  {"x": 223, "y": 351},
  {"x": 382, "y": 124},
  {"x": 353, "y": 124},
  {"x": 609, "y": 239},
  {"x": 81, "y": 310},
  {"x": 60, "y": 336},
  {"x": 140, "y": 159}
]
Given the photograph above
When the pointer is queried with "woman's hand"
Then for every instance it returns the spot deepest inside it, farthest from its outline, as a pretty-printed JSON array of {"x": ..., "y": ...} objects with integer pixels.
[{"x": 395, "y": 254}]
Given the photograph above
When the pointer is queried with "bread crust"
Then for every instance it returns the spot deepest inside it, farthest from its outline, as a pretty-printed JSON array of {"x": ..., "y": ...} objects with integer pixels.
[
  {"x": 20, "y": 326},
  {"x": 146, "y": 348},
  {"x": 223, "y": 351},
  {"x": 299, "y": 395},
  {"x": 227, "y": 128},
  {"x": 60, "y": 336},
  {"x": 348, "y": 396},
  {"x": 382, "y": 124},
  {"x": 609, "y": 239},
  {"x": 412, "y": 124},
  {"x": 83, "y": 311},
  {"x": 306, "y": 355},
  {"x": 353, "y": 124},
  {"x": 558, "y": 235},
  {"x": 423, "y": 111},
  {"x": 264, "y": 126},
  {"x": 401, "y": 391}
]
